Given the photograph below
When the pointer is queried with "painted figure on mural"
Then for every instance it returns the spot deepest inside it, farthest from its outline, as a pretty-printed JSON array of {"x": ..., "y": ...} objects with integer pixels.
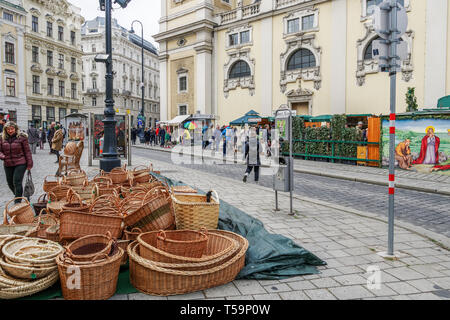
[
  {"x": 403, "y": 155},
  {"x": 429, "y": 150}
]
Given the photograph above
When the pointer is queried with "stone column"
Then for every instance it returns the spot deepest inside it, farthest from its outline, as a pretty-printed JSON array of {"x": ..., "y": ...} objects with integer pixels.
[
  {"x": 163, "y": 87},
  {"x": 203, "y": 76}
]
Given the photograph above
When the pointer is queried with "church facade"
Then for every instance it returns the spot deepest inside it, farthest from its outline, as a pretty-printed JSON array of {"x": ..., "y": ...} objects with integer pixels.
[{"x": 226, "y": 57}]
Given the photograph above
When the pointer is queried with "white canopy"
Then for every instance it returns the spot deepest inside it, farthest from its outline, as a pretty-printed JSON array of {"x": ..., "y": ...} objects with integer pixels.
[{"x": 177, "y": 120}]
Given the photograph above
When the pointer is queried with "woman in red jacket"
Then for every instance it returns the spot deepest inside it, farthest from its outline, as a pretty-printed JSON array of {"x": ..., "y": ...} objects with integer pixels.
[{"x": 16, "y": 155}]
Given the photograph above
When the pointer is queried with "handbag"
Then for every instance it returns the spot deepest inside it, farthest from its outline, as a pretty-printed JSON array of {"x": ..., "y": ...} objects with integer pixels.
[{"x": 28, "y": 190}]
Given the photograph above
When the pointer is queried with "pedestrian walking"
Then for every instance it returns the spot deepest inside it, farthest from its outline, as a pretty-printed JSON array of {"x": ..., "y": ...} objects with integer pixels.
[
  {"x": 152, "y": 136},
  {"x": 50, "y": 134},
  {"x": 33, "y": 138},
  {"x": 252, "y": 155},
  {"x": 147, "y": 136},
  {"x": 217, "y": 136},
  {"x": 16, "y": 156},
  {"x": 43, "y": 137},
  {"x": 57, "y": 142},
  {"x": 162, "y": 136},
  {"x": 133, "y": 135}
]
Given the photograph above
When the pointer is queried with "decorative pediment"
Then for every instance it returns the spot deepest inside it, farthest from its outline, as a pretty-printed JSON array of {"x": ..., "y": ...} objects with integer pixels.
[
  {"x": 35, "y": 12},
  {"x": 61, "y": 22},
  {"x": 57, "y": 7},
  {"x": 299, "y": 93},
  {"x": 36, "y": 68},
  {"x": 49, "y": 17},
  {"x": 51, "y": 71},
  {"x": 182, "y": 70},
  {"x": 74, "y": 77},
  {"x": 62, "y": 74}
]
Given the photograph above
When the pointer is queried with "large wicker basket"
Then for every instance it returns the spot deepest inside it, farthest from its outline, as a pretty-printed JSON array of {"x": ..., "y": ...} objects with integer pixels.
[
  {"x": 89, "y": 247},
  {"x": 149, "y": 278},
  {"x": 22, "y": 212},
  {"x": 193, "y": 212},
  {"x": 75, "y": 178},
  {"x": 118, "y": 175},
  {"x": 74, "y": 225},
  {"x": 185, "y": 243},
  {"x": 98, "y": 280}
]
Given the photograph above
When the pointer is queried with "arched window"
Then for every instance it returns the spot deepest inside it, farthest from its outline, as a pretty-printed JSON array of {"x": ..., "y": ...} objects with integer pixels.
[
  {"x": 301, "y": 59},
  {"x": 239, "y": 70}
]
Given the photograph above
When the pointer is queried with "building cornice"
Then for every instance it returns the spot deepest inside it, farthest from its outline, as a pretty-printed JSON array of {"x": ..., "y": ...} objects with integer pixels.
[
  {"x": 204, "y": 5},
  {"x": 204, "y": 24}
]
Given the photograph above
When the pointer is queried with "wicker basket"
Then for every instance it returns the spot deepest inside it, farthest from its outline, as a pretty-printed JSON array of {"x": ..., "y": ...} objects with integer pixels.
[
  {"x": 118, "y": 175},
  {"x": 18, "y": 229},
  {"x": 86, "y": 248},
  {"x": 98, "y": 280},
  {"x": 86, "y": 191},
  {"x": 101, "y": 189},
  {"x": 154, "y": 213},
  {"x": 75, "y": 178},
  {"x": 53, "y": 205},
  {"x": 31, "y": 251},
  {"x": 40, "y": 204},
  {"x": 192, "y": 212},
  {"x": 43, "y": 222},
  {"x": 149, "y": 278},
  {"x": 75, "y": 206},
  {"x": 185, "y": 243},
  {"x": 131, "y": 234},
  {"x": 25, "y": 272},
  {"x": 123, "y": 244},
  {"x": 142, "y": 178},
  {"x": 22, "y": 212},
  {"x": 49, "y": 185},
  {"x": 74, "y": 225},
  {"x": 60, "y": 192},
  {"x": 217, "y": 246},
  {"x": 19, "y": 289},
  {"x": 142, "y": 169},
  {"x": 183, "y": 189}
]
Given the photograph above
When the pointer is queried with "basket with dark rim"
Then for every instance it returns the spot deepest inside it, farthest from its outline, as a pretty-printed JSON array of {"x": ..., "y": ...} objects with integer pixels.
[
  {"x": 154, "y": 213},
  {"x": 75, "y": 224},
  {"x": 86, "y": 248},
  {"x": 217, "y": 246},
  {"x": 98, "y": 278},
  {"x": 193, "y": 212},
  {"x": 149, "y": 278},
  {"x": 131, "y": 234},
  {"x": 185, "y": 243},
  {"x": 118, "y": 175},
  {"x": 75, "y": 206},
  {"x": 48, "y": 185},
  {"x": 40, "y": 204},
  {"x": 21, "y": 212},
  {"x": 75, "y": 178}
]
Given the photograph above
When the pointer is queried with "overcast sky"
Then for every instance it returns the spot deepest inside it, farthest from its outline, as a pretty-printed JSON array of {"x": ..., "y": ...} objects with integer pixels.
[{"x": 147, "y": 11}]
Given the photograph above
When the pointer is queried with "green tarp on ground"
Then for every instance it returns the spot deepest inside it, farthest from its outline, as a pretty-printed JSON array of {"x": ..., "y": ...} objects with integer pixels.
[{"x": 269, "y": 256}]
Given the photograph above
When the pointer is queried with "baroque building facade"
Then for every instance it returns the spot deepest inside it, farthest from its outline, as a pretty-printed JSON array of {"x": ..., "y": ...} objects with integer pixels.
[
  {"x": 12, "y": 66},
  {"x": 127, "y": 64},
  {"x": 53, "y": 59},
  {"x": 225, "y": 57}
]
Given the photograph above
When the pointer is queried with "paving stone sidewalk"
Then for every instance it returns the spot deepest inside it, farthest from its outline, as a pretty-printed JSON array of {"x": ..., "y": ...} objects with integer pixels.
[
  {"x": 426, "y": 182},
  {"x": 348, "y": 242}
]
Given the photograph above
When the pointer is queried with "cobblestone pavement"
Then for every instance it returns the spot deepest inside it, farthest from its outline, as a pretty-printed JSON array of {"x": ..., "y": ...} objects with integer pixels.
[
  {"x": 346, "y": 241},
  {"x": 428, "y": 210}
]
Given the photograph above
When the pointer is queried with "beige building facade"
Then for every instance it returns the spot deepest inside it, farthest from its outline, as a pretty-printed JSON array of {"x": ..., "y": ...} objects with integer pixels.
[
  {"x": 53, "y": 59},
  {"x": 226, "y": 57}
]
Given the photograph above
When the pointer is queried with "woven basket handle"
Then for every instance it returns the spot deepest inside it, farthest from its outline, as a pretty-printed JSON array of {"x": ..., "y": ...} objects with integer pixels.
[
  {"x": 141, "y": 166},
  {"x": 50, "y": 194},
  {"x": 5, "y": 218},
  {"x": 40, "y": 199},
  {"x": 137, "y": 230},
  {"x": 100, "y": 255},
  {"x": 72, "y": 195},
  {"x": 162, "y": 235}
]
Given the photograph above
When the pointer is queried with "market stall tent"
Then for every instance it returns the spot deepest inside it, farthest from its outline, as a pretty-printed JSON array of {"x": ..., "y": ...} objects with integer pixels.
[{"x": 252, "y": 114}]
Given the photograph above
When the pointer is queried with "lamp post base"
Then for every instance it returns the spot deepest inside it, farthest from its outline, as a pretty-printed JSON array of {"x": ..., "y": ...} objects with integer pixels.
[{"x": 108, "y": 164}]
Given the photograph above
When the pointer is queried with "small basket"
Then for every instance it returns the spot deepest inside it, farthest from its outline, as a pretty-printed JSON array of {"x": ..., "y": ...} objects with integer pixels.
[
  {"x": 101, "y": 189},
  {"x": 43, "y": 222},
  {"x": 142, "y": 178},
  {"x": 86, "y": 191},
  {"x": 193, "y": 212},
  {"x": 106, "y": 204},
  {"x": 86, "y": 248},
  {"x": 118, "y": 175},
  {"x": 49, "y": 185},
  {"x": 61, "y": 192},
  {"x": 184, "y": 243},
  {"x": 22, "y": 212},
  {"x": 97, "y": 279},
  {"x": 40, "y": 204},
  {"x": 142, "y": 169},
  {"x": 53, "y": 205},
  {"x": 74, "y": 206},
  {"x": 75, "y": 178}
]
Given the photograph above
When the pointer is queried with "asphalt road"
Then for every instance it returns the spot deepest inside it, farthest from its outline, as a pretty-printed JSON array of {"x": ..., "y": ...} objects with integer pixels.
[{"x": 430, "y": 211}]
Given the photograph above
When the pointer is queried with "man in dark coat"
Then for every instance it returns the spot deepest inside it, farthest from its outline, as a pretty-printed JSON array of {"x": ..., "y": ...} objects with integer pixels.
[
  {"x": 162, "y": 136},
  {"x": 252, "y": 154}
]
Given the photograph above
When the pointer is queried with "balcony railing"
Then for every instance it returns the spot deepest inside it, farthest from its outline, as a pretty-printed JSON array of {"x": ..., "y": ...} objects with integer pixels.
[
  {"x": 92, "y": 91},
  {"x": 286, "y": 3},
  {"x": 239, "y": 13}
]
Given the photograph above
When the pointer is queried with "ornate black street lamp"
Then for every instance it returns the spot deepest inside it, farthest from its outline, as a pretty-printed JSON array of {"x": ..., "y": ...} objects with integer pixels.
[{"x": 110, "y": 158}]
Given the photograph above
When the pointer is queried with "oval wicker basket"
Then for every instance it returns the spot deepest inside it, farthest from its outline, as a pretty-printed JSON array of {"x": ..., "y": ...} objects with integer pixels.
[
  {"x": 149, "y": 278},
  {"x": 217, "y": 246},
  {"x": 19, "y": 289},
  {"x": 22, "y": 212},
  {"x": 61, "y": 192},
  {"x": 48, "y": 185},
  {"x": 86, "y": 192},
  {"x": 142, "y": 178},
  {"x": 98, "y": 280},
  {"x": 25, "y": 272},
  {"x": 142, "y": 169},
  {"x": 118, "y": 175},
  {"x": 90, "y": 246},
  {"x": 193, "y": 212},
  {"x": 10, "y": 250},
  {"x": 75, "y": 178},
  {"x": 185, "y": 243},
  {"x": 54, "y": 206}
]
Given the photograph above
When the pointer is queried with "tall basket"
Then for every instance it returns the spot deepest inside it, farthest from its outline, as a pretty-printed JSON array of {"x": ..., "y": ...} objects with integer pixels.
[{"x": 193, "y": 212}]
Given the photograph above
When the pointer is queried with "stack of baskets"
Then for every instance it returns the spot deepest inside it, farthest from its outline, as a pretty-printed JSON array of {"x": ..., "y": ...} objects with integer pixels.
[
  {"x": 98, "y": 259},
  {"x": 154, "y": 270},
  {"x": 27, "y": 265}
]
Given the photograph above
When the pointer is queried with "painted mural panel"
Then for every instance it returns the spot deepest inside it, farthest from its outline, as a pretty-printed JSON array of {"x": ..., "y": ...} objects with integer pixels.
[{"x": 421, "y": 145}]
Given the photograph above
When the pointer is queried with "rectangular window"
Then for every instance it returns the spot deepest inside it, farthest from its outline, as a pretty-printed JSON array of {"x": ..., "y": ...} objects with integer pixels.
[
  {"x": 308, "y": 22},
  {"x": 50, "y": 114},
  {"x": 35, "y": 54},
  {"x": 72, "y": 37},
  {"x": 94, "y": 83},
  {"x": 60, "y": 33},
  {"x": 36, "y": 112},
  {"x": 62, "y": 114},
  {"x": 234, "y": 39},
  {"x": 73, "y": 65},
  {"x": 73, "y": 91},
  {"x": 49, "y": 29},
  {"x": 94, "y": 101},
  {"x": 182, "y": 84},
  {"x": 36, "y": 84},
  {"x": 9, "y": 52},
  {"x": 10, "y": 87},
  {"x": 293, "y": 25},
  {"x": 12, "y": 115},
  {"x": 94, "y": 49},
  {"x": 245, "y": 37},
  {"x": 8, "y": 16},
  {"x": 34, "y": 24},
  {"x": 49, "y": 58},
  {"x": 94, "y": 65},
  {"x": 50, "y": 87},
  {"x": 61, "y": 88},
  {"x": 182, "y": 110},
  {"x": 61, "y": 61}
]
